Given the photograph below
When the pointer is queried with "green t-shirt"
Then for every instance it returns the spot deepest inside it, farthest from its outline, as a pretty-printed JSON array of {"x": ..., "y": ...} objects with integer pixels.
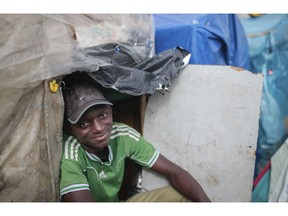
[{"x": 81, "y": 170}]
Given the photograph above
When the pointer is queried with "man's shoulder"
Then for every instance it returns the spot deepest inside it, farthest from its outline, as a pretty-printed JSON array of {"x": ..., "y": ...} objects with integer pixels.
[
  {"x": 68, "y": 138},
  {"x": 121, "y": 130},
  {"x": 71, "y": 147}
]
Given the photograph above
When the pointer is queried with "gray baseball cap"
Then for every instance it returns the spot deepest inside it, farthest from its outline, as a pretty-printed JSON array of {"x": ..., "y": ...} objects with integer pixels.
[{"x": 79, "y": 98}]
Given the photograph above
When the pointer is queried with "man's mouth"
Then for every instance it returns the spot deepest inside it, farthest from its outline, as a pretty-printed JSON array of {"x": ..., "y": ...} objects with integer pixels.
[{"x": 100, "y": 137}]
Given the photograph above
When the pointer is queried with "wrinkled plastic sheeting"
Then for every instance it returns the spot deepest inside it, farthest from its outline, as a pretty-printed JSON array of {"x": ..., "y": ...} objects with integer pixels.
[
  {"x": 155, "y": 73},
  {"x": 33, "y": 50},
  {"x": 268, "y": 50},
  {"x": 56, "y": 44}
]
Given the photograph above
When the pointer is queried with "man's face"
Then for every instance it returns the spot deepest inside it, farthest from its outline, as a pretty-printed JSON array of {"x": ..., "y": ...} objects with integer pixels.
[{"x": 94, "y": 128}]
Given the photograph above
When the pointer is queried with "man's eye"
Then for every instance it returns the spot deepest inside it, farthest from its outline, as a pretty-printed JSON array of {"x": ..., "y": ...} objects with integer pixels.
[
  {"x": 103, "y": 115},
  {"x": 83, "y": 124}
]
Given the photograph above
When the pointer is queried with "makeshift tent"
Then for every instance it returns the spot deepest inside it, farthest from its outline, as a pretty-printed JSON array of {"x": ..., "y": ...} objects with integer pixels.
[{"x": 36, "y": 52}]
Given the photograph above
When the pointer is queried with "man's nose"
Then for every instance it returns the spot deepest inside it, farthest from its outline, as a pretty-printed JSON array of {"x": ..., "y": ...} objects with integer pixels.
[{"x": 97, "y": 127}]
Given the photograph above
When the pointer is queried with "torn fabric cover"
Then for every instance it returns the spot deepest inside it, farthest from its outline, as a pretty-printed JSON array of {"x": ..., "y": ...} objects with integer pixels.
[{"x": 125, "y": 75}]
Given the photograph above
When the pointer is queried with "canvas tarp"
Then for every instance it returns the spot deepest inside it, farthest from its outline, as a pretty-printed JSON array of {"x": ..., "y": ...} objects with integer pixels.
[{"x": 35, "y": 49}]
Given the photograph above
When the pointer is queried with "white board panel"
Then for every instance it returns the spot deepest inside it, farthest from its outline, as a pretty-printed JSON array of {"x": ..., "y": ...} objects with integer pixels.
[{"x": 208, "y": 124}]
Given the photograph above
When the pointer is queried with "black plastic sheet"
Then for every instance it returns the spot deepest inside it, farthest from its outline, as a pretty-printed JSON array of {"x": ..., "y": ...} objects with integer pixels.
[{"x": 155, "y": 73}]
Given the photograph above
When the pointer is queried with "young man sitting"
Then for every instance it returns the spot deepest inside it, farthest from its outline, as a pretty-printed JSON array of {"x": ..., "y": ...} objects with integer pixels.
[{"x": 94, "y": 152}]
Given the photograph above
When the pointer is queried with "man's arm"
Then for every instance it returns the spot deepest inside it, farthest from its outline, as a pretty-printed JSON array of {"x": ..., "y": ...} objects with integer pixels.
[
  {"x": 180, "y": 179},
  {"x": 78, "y": 196}
]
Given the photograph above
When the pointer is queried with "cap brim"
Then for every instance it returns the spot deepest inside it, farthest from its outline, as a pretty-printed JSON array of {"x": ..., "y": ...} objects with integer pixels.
[{"x": 74, "y": 118}]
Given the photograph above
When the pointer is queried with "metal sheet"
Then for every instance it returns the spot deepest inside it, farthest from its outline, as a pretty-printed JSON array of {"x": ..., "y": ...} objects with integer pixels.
[{"x": 208, "y": 124}]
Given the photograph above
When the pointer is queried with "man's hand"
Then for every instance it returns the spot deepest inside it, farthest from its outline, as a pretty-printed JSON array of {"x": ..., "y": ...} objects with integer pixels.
[{"x": 180, "y": 179}]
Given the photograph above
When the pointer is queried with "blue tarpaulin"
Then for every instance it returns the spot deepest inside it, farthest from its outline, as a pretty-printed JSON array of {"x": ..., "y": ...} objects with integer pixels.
[
  {"x": 268, "y": 50},
  {"x": 213, "y": 39}
]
